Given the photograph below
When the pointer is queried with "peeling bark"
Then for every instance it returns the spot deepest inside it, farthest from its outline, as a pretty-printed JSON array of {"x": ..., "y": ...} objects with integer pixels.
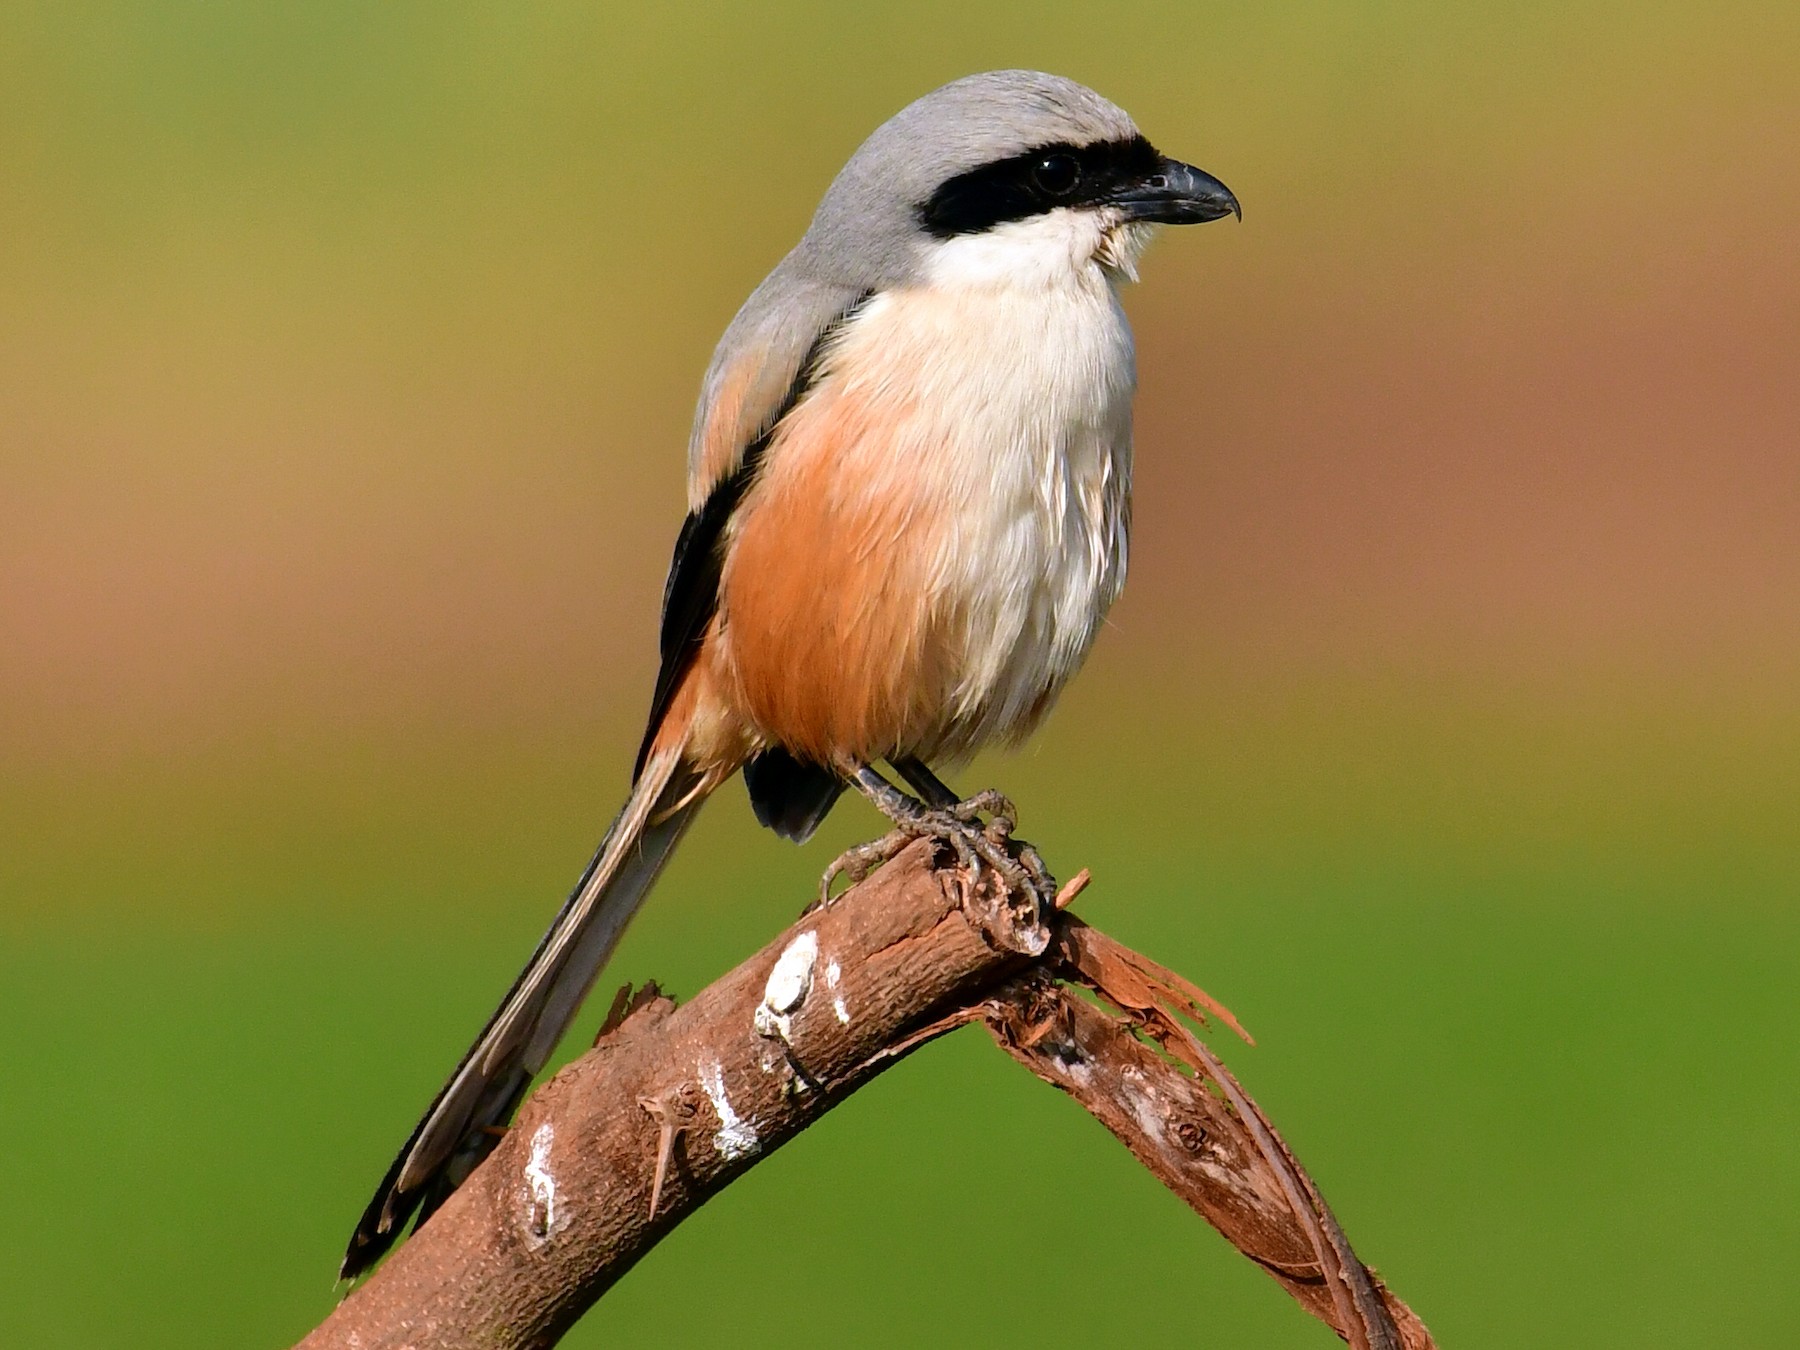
[
  {"x": 673, "y": 1103},
  {"x": 1164, "y": 1095}
]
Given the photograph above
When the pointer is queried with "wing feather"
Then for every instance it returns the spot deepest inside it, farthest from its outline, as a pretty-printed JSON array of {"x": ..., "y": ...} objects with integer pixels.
[{"x": 765, "y": 363}]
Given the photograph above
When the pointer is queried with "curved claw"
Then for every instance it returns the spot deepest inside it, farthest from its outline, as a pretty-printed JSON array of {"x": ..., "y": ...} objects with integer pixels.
[
  {"x": 1041, "y": 880},
  {"x": 857, "y": 862}
]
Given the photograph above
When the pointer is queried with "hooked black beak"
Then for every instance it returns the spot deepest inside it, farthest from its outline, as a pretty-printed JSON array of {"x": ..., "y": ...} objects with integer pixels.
[{"x": 1177, "y": 194}]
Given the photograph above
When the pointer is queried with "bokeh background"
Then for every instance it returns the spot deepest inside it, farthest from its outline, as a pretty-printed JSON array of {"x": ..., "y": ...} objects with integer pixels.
[{"x": 1448, "y": 730}]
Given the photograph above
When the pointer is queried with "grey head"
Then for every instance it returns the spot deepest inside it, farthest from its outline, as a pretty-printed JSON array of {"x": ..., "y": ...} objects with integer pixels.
[
  {"x": 977, "y": 154},
  {"x": 984, "y": 151}
]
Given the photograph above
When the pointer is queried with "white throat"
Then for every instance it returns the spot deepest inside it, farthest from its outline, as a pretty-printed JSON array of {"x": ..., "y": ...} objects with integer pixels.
[{"x": 1051, "y": 250}]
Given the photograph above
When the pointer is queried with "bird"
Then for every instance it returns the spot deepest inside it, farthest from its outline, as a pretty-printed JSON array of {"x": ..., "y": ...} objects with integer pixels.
[{"x": 907, "y": 516}]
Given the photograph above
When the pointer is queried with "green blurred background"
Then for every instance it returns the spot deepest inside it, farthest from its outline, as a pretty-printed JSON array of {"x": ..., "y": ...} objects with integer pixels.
[{"x": 1448, "y": 730}]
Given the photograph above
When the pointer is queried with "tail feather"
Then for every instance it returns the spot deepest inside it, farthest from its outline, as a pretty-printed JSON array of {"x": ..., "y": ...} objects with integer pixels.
[
  {"x": 789, "y": 795},
  {"x": 460, "y": 1128}
]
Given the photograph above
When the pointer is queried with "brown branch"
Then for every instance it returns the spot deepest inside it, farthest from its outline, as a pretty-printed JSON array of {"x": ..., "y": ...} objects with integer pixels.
[
  {"x": 672, "y": 1104},
  {"x": 1185, "y": 1117}
]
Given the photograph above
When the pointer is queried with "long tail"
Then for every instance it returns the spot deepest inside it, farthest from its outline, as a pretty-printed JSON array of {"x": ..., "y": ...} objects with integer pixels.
[{"x": 460, "y": 1128}]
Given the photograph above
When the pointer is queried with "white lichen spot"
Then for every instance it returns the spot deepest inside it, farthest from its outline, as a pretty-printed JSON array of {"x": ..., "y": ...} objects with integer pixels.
[
  {"x": 540, "y": 1184},
  {"x": 789, "y": 983},
  {"x": 791, "y": 978},
  {"x": 834, "y": 973},
  {"x": 737, "y": 1136}
]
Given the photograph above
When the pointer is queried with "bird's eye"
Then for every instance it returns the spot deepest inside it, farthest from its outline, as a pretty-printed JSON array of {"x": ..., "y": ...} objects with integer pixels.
[{"x": 1056, "y": 174}]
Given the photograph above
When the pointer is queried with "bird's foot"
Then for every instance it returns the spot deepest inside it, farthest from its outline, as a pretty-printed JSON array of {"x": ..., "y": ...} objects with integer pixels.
[
  {"x": 857, "y": 862},
  {"x": 977, "y": 844}
]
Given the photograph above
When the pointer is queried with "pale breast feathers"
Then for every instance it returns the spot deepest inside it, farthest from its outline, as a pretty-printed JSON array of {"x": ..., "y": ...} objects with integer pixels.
[
  {"x": 907, "y": 531},
  {"x": 938, "y": 527}
]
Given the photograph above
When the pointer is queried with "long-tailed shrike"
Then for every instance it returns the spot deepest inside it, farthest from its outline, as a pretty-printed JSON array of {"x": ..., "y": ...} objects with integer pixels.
[{"x": 908, "y": 501}]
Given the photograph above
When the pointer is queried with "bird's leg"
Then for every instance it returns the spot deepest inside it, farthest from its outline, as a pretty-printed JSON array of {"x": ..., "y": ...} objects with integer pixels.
[
  {"x": 932, "y": 790},
  {"x": 999, "y": 807},
  {"x": 940, "y": 816}
]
